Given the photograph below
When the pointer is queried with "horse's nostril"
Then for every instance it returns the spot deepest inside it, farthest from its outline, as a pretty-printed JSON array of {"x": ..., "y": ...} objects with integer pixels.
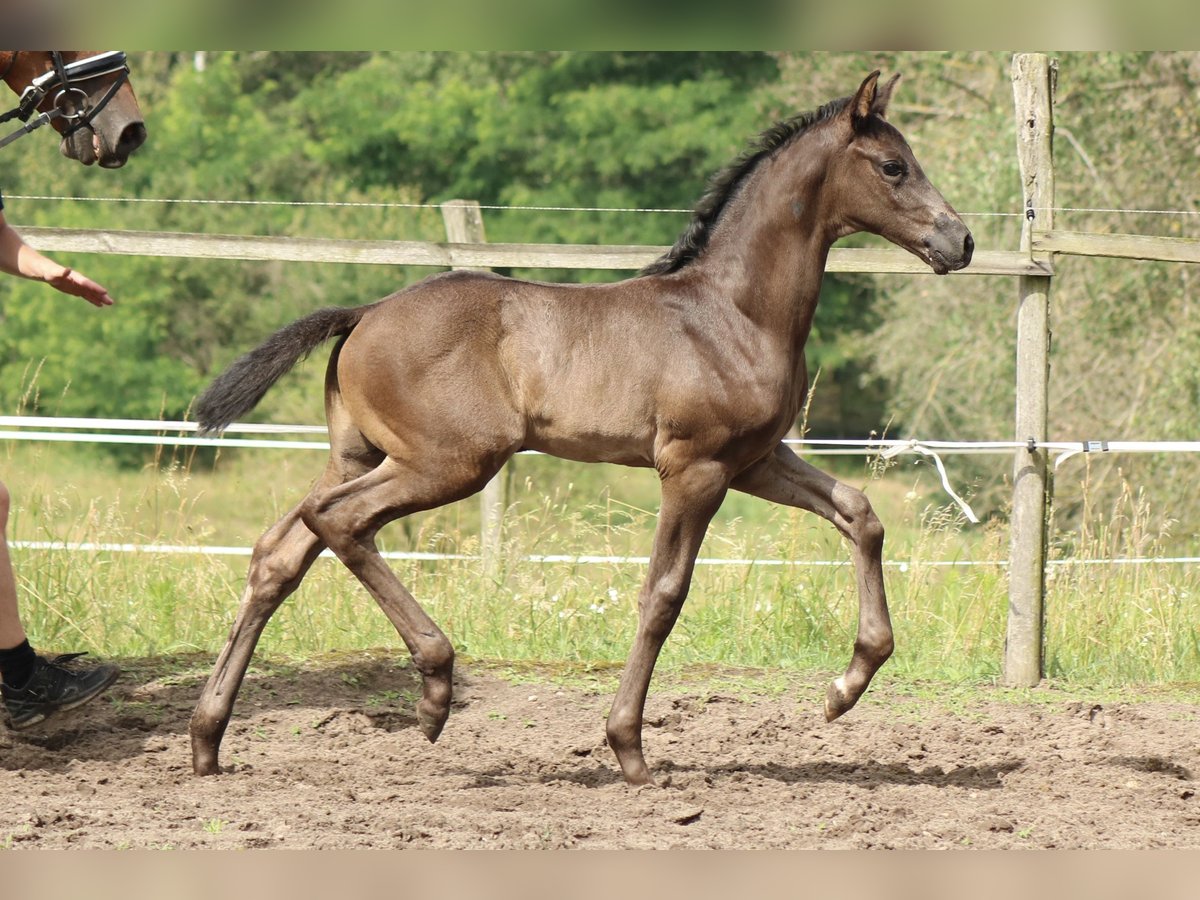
[
  {"x": 132, "y": 137},
  {"x": 968, "y": 246}
]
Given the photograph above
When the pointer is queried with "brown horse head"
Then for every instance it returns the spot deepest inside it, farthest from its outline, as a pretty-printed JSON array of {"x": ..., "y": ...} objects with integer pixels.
[
  {"x": 883, "y": 189},
  {"x": 111, "y": 135}
]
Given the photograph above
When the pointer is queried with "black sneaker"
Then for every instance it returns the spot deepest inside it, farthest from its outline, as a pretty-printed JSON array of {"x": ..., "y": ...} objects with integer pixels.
[{"x": 55, "y": 685}]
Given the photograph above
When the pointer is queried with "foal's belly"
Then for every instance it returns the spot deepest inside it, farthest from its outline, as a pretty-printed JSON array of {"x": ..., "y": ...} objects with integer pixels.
[{"x": 591, "y": 442}]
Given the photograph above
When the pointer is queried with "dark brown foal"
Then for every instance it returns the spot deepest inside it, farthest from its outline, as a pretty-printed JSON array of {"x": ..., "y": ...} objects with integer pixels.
[{"x": 695, "y": 367}]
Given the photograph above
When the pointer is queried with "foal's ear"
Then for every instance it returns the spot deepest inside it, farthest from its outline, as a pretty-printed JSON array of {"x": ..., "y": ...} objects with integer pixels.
[
  {"x": 863, "y": 100},
  {"x": 884, "y": 96}
]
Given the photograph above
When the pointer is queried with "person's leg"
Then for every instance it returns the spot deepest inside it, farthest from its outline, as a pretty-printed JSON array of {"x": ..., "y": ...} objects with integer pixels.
[
  {"x": 34, "y": 687},
  {"x": 11, "y": 632},
  {"x": 17, "y": 658}
]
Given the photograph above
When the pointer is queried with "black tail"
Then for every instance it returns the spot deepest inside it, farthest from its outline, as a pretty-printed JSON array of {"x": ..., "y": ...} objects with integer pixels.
[{"x": 239, "y": 388}]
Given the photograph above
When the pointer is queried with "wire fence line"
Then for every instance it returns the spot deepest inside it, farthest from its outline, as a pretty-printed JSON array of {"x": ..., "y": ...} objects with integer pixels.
[
  {"x": 387, "y": 204},
  {"x": 104, "y": 430},
  {"x": 123, "y": 431},
  {"x": 586, "y": 559}
]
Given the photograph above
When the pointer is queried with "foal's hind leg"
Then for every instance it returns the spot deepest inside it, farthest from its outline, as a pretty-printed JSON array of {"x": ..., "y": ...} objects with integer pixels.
[
  {"x": 281, "y": 558},
  {"x": 785, "y": 478},
  {"x": 348, "y": 516}
]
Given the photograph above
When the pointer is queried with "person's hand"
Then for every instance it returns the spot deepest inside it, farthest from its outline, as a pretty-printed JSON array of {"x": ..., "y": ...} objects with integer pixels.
[{"x": 79, "y": 285}]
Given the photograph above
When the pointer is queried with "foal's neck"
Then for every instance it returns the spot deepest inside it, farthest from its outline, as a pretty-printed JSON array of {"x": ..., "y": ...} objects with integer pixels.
[{"x": 768, "y": 250}]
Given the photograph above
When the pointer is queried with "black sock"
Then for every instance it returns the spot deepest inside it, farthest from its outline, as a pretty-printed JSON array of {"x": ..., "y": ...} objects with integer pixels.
[{"x": 16, "y": 665}]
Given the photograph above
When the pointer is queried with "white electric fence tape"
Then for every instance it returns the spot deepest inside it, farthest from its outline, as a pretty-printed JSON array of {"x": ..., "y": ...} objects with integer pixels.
[{"x": 77, "y": 430}]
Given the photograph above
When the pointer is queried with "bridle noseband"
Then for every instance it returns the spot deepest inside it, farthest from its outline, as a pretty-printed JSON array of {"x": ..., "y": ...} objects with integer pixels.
[{"x": 71, "y": 101}]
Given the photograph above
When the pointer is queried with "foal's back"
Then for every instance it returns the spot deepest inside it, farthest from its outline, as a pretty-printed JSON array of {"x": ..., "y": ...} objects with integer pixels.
[
  {"x": 496, "y": 364},
  {"x": 493, "y": 364}
]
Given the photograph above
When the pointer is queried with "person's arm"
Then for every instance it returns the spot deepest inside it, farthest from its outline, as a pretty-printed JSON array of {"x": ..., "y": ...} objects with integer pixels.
[{"x": 18, "y": 258}]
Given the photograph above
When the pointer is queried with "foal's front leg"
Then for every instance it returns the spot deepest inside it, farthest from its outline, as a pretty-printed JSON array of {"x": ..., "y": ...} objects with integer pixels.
[
  {"x": 785, "y": 478},
  {"x": 689, "y": 501}
]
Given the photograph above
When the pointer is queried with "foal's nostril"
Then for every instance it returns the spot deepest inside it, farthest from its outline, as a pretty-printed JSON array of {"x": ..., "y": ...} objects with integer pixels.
[{"x": 968, "y": 247}]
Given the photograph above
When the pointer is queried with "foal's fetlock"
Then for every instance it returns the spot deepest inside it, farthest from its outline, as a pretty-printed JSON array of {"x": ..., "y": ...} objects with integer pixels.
[{"x": 625, "y": 740}]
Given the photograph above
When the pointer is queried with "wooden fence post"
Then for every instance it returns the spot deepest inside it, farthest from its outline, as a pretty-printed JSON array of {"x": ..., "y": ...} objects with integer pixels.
[
  {"x": 464, "y": 225},
  {"x": 1033, "y": 76}
]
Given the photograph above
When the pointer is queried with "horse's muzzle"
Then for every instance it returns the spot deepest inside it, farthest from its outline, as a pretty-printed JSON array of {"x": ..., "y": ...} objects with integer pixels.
[
  {"x": 949, "y": 246},
  {"x": 111, "y": 152}
]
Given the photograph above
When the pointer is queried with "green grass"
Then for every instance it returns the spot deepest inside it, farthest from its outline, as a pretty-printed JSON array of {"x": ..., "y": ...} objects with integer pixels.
[{"x": 1105, "y": 625}]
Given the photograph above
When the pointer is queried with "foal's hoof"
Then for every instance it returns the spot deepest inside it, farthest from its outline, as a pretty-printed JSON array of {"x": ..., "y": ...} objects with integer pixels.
[
  {"x": 633, "y": 766},
  {"x": 641, "y": 779},
  {"x": 837, "y": 700},
  {"x": 432, "y": 719}
]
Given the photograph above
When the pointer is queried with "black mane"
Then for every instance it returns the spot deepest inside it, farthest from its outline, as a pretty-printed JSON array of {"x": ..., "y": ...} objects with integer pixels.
[{"x": 723, "y": 186}]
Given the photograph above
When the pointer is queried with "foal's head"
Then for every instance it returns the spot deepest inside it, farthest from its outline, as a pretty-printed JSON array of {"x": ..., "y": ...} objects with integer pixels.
[{"x": 877, "y": 185}]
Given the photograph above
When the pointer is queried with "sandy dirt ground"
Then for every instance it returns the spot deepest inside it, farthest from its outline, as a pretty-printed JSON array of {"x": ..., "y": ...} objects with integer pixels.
[{"x": 327, "y": 755}]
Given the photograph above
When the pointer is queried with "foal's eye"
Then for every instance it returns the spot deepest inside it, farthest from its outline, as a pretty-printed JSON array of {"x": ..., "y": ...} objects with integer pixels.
[{"x": 893, "y": 169}]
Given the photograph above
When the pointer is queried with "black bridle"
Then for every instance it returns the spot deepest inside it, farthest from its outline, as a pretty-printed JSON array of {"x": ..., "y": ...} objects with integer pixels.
[{"x": 71, "y": 102}]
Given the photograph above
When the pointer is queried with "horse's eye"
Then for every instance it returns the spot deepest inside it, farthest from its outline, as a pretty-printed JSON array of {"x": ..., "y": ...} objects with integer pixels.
[{"x": 893, "y": 169}]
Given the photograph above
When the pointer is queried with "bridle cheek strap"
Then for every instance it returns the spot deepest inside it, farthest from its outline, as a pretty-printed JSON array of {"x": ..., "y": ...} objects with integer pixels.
[{"x": 90, "y": 113}]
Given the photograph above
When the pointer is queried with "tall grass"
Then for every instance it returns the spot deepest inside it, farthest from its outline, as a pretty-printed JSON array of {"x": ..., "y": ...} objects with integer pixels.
[
  {"x": 1122, "y": 622},
  {"x": 1105, "y": 624}
]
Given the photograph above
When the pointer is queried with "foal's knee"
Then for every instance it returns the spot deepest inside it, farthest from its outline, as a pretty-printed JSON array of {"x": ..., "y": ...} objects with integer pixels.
[
  {"x": 861, "y": 524},
  {"x": 870, "y": 530},
  {"x": 660, "y": 607}
]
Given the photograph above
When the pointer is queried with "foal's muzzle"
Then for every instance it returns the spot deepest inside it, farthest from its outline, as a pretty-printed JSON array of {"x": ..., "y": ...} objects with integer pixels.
[{"x": 949, "y": 246}]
